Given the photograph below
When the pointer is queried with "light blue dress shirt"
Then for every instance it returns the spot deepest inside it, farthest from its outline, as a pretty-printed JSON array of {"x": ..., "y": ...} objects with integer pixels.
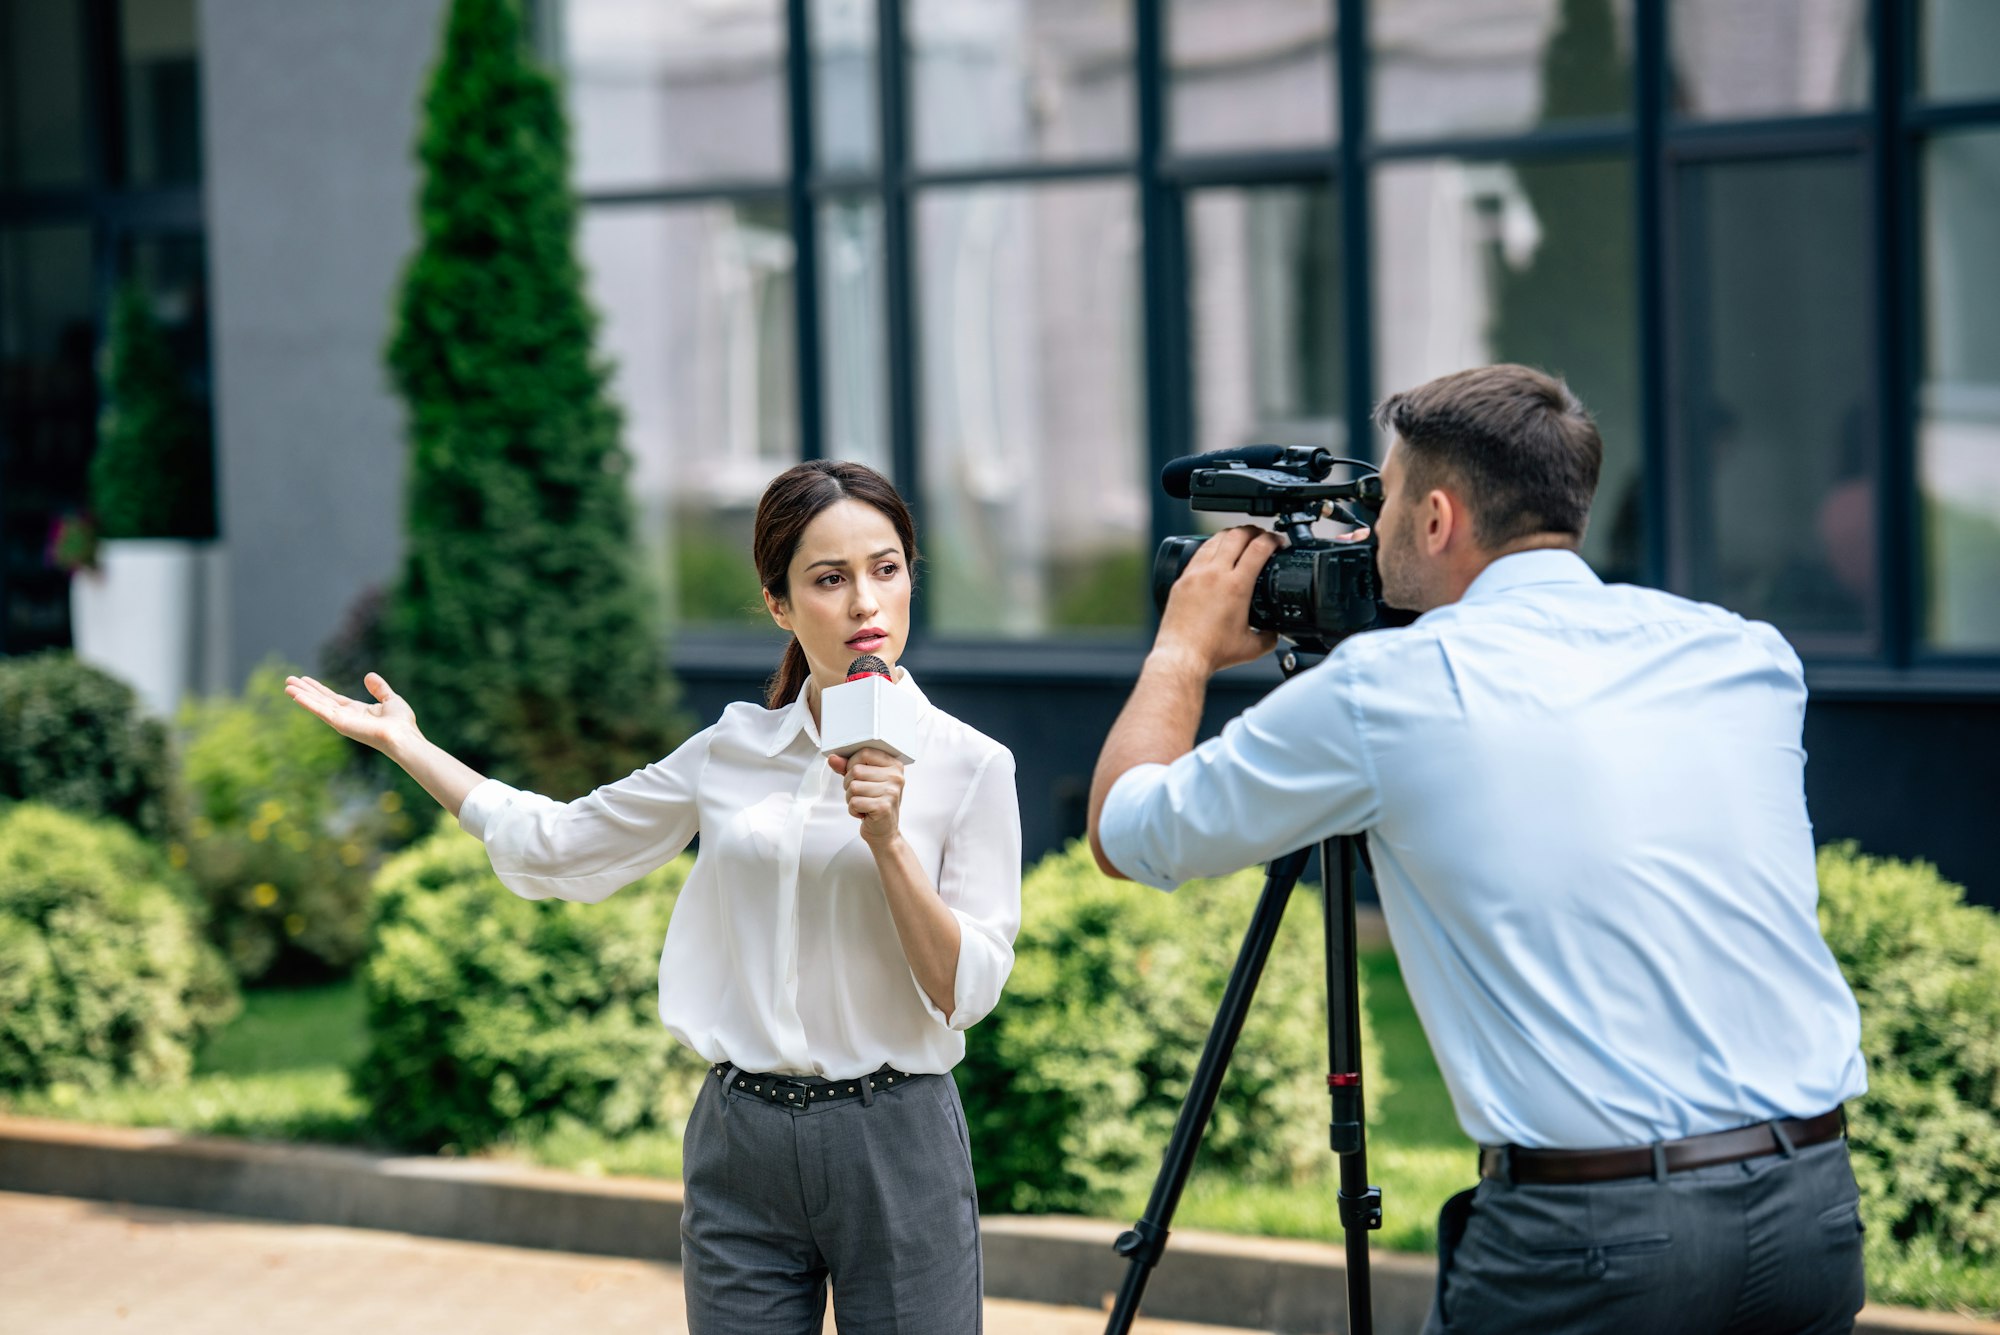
[{"x": 1586, "y": 808}]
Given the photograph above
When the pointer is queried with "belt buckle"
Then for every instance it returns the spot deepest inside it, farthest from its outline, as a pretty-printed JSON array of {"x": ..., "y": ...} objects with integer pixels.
[{"x": 802, "y": 1084}]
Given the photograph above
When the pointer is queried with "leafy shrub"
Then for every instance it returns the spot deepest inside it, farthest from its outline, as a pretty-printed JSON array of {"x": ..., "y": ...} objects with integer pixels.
[
  {"x": 492, "y": 1016},
  {"x": 283, "y": 842},
  {"x": 152, "y": 474},
  {"x": 1925, "y": 967},
  {"x": 1072, "y": 1085},
  {"x": 103, "y": 972},
  {"x": 73, "y": 736},
  {"x": 520, "y": 628}
]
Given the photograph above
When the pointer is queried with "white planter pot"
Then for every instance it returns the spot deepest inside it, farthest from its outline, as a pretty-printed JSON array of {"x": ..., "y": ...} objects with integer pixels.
[{"x": 147, "y": 614}]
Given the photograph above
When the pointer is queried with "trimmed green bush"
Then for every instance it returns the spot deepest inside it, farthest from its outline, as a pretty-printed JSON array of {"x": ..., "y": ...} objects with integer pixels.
[
  {"x": 103, "y": 972},
  {"x": 1925, "y": 967},
  {"x": 493, "y": 1017},
  {"x": 73, "y": 736},
  {"x": 284, "y": 841},
  {"x": 152, "y": 475},
  {"x": 1072, "y": 1085},
  {"x": 521, "y": 629}
]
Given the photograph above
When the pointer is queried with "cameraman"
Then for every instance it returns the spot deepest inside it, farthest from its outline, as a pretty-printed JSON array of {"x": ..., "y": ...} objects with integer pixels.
[{"x": 1586, "y": 813}]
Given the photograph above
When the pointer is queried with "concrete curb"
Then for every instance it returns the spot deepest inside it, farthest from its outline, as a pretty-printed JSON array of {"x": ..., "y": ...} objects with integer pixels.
[{"x": 1261, "y": 1283}]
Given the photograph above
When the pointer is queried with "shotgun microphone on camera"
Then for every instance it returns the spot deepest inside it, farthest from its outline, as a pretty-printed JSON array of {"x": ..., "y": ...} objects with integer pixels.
[{"x": 1176, "y": 477}]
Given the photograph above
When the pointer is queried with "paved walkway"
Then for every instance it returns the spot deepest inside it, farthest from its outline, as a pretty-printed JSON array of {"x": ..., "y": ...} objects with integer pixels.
[{"x": 70, "y": 1267}]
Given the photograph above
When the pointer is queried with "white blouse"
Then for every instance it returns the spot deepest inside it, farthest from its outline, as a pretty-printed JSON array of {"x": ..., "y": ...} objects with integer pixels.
[{"x": 781, "y": 955}]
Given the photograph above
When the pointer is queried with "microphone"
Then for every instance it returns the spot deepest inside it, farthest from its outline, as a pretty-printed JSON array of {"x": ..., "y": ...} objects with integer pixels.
[
  {"x": 868, "y": 709},
  {"x": 1176, "y": 477}
]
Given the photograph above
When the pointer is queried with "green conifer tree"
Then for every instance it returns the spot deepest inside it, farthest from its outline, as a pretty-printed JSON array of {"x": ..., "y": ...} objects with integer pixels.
[
  {"x": 521, "y": 628},
  {"x": 151, "y": 476}
]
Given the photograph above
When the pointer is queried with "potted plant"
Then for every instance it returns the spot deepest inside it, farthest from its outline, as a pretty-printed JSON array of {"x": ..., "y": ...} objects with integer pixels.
[{"x": 142, "y": 613}]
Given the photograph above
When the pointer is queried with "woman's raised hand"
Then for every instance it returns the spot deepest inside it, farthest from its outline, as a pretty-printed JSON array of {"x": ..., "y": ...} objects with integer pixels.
[{"x": 384, "y": 725}]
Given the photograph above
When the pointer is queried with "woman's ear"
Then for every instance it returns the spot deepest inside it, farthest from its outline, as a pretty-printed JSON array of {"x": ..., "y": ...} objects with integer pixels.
[{"x": 776, "y": 607}]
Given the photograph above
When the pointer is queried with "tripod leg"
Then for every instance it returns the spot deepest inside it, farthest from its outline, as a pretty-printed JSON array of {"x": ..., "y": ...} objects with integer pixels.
[
  {"x": 1146, "y": 1242},
  {"x": 1360, "y": 1203}
]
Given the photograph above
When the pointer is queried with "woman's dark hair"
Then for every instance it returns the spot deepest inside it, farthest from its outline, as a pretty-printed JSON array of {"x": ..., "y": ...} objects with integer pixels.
[{"x": 792, "y": 501}]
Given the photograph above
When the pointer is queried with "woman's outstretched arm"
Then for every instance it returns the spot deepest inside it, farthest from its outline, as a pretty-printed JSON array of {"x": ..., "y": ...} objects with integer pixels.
[{"x": 390, "y": 726}]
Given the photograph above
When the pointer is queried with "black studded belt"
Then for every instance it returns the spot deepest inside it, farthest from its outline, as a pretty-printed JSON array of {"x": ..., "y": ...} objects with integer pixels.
[{"x": 799, "y": 1091}]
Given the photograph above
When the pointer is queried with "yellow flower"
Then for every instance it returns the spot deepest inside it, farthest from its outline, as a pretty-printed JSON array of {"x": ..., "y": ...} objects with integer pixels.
[
  {"x": 203, "y": 827},
  {"x": 294, "y": 924},
  {"x": 265, "y": 894},
  {"x": 177, "y": 854},
  {"x": 258, "y": 832},
  {"x": 297, "y": 840},
  {"x": 270, "y": 810},
  {"x": 390, "y": 802},
  {"x": 350, "y": 855}
]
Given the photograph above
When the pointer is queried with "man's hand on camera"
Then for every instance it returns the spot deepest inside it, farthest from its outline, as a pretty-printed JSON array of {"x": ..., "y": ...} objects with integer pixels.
[{"x": 1206, "y": 625}]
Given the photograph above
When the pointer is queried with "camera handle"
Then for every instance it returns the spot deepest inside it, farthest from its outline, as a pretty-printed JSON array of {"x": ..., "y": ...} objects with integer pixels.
[{"x": 1360, "y": 1204}]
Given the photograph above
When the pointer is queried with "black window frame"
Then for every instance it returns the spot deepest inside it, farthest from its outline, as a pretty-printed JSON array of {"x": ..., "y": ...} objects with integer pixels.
[
  {"x": 117, "y": 212},
  {"x": 1887, "y": 134}
]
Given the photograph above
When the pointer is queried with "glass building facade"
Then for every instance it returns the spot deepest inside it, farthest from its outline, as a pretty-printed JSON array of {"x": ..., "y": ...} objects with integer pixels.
[
  {"x": 1017, "y": 254},
  {"x": 1020, "y": 253}
]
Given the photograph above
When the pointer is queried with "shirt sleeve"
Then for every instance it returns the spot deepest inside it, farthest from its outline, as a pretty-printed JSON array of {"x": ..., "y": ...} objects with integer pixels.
[
  {"x": 1288, "y": 772},
  {"x": 586, "y": 849},
  {"x": 980, "y": 882}
]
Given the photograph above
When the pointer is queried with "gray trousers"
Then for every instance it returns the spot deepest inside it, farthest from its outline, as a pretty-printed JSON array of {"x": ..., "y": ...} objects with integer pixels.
[
  {"x": 876, "y": 1198},
  {"x": 1769, "y": 1245}
]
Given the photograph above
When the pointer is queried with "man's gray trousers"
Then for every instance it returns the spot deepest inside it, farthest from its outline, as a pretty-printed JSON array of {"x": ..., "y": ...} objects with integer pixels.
[{"x": 1770, "y": 1245}]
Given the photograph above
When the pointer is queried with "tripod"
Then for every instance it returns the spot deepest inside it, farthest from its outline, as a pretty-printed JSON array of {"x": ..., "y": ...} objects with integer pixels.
[{"x": 1360, "y": 1204}]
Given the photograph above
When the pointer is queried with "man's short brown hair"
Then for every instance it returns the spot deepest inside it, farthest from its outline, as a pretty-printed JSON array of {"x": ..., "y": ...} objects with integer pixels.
[{"x": 1518, "y": 445}]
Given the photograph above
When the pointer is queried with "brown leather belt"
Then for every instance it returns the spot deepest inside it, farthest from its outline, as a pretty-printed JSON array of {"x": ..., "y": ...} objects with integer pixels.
[{"x": 1512, "y": 1162}]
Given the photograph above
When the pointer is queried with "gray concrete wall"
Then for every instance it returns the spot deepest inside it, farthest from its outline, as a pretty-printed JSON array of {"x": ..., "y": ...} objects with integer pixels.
[{"x": 310, "y": 116}]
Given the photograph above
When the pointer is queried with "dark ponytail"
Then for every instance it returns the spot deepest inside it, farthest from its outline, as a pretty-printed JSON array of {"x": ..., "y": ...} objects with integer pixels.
[
  {"x": 792, "y": 501},
  {"x": 792, "y": 672}
]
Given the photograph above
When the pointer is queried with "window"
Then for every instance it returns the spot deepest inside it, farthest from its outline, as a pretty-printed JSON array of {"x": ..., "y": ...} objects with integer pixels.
[
  {"x": 1442, "y": 67},
  {"x": 1525, "y": 261},
  {"x": 1035, "y": 494},
  {"x": 44, "y": 121},
  {"x": 1958, "y": 48},
  {"x": 1265, "y": 288},
  {"x": 665, "y": 94},
  {"x": 1771, "y": 58},
  {"x": 1774, "y": 406},
  {"x": 1015, "y": 268},
  {"x": 1002, "y": 81},
  {"x": 88, "y": 202},
  {"x": 697, "y": 303},
  {"x": 1958, "y": 395},
  {"x": 1250, "y": 75}
]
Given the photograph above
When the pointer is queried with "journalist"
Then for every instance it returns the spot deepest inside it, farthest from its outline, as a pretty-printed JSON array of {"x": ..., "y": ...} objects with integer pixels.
[
  {"x": 1585, "y": 808},
  {"x": 842, "y": 926}
]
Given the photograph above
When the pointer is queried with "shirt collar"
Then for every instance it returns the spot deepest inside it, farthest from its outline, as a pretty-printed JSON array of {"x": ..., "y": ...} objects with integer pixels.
[
  {"x": 798, "y": 716},
  {"x": 1548, "y": 565}
]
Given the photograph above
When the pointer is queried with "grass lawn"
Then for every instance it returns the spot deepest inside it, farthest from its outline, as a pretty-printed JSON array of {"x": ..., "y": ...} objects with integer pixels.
[{"x": 278, "y": 1073}]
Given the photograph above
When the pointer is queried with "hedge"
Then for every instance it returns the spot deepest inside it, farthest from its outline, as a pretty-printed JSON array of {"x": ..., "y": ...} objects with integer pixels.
[
  {"x": 1072, "y": 1085},
  {"x": 492, "y": 1017},
  {"x": 104, "y": 975}
]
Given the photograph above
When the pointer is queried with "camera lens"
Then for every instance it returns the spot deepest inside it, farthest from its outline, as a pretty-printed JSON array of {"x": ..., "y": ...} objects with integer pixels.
[{"x": 1168, "y": 562}]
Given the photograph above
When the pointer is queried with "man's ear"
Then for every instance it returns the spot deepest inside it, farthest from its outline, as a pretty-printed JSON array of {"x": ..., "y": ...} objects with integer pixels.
[
  {"x": 1441, "y": 519},
  {"x": 776, "y": 607}
]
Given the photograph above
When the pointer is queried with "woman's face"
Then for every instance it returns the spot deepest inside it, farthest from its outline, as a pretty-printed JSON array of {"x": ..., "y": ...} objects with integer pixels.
[{"x": 849, "y": 590}]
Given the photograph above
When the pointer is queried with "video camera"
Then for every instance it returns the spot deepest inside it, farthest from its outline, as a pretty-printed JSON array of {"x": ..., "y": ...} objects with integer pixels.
[{"x": 1315, "y": 592}]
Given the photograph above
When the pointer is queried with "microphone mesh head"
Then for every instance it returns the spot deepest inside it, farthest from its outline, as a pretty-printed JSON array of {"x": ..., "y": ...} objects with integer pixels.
[{"x": 866, "y": 666}]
